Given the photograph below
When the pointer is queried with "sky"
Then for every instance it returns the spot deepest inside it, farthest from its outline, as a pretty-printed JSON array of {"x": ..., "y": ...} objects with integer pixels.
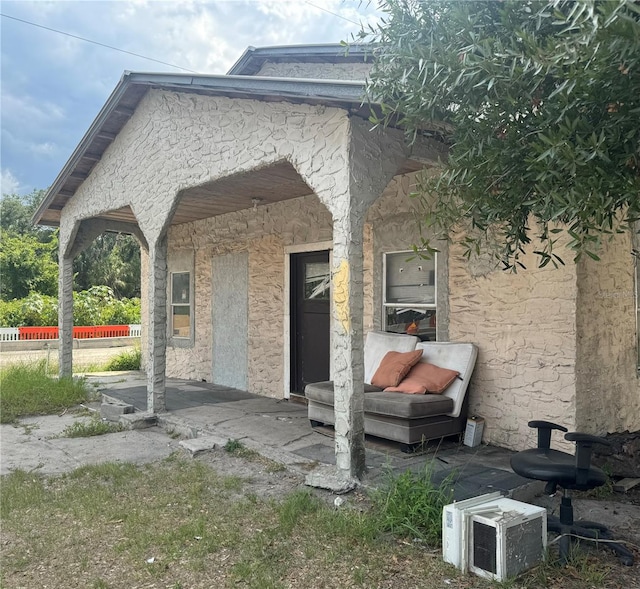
[{"x": 53, "y": 85}]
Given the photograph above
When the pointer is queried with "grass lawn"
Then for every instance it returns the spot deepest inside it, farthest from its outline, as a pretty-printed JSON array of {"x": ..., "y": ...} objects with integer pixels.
[{"x": 181, "y": 524}]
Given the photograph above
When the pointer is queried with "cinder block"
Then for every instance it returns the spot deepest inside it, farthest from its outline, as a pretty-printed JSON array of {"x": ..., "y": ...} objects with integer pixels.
[{"x": 113, "y": 411}]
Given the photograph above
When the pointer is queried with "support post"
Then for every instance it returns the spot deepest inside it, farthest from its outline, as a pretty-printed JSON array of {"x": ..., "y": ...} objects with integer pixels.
[
  {"x": 65, "y": 315},
  {"x": 157, "y": 332}
]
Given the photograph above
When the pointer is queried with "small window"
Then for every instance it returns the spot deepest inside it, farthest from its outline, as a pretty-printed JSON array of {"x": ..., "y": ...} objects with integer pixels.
[
  {"x": 181, "y": 304},
  {"x": 410, "y": 295}
]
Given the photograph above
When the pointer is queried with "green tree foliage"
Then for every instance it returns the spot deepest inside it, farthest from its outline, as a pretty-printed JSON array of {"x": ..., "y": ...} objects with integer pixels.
[
  {"x": 29, "y": 255},
  {"x": 113, "y": 259},
  {"x": 539, "y": 102}
]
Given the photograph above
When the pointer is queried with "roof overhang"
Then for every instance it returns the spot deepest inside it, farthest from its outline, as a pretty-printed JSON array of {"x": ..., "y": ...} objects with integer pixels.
[
  {"x": 252, "y": 60},
  {"x": 125, "y": 98}
]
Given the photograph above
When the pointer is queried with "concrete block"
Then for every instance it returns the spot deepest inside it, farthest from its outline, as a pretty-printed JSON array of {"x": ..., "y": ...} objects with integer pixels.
[
  {"x": 329, "y": 477},
  {"x": 199, "y": 445},
  {"x": 139, "y": 420},
  {"x": 113, "y": 411}
]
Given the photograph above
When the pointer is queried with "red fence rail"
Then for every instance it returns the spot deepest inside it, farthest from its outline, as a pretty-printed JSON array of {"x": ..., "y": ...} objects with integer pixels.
[{"x": 83, "y": 332}]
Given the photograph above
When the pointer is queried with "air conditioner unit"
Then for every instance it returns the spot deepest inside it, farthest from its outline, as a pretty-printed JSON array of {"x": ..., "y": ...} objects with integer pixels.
[
  {"x": 454, "y": 528},
  {"x": 493, "y": 536},
  {"x": 506, "y": 538}
]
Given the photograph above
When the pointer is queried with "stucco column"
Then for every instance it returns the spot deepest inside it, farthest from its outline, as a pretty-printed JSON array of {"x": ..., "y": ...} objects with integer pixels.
[
  {"x": 374, "y": 158},
  {"x": 348, "y": 358},
  {"x": 157, "y": 326},
  {"x": 65, "y": 314}
]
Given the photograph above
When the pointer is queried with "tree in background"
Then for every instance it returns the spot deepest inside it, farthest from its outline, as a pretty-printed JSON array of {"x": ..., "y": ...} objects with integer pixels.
[
  {"x": 539, "y": 102},
  {"x": 29, "y": 254}
]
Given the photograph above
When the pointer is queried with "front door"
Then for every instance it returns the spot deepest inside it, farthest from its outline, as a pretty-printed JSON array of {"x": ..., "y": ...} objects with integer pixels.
[{"x": 310, "y": 318}]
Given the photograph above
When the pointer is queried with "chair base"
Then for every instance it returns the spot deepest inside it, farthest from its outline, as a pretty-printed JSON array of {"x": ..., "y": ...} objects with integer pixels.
[{"x": 588, "y": 530}]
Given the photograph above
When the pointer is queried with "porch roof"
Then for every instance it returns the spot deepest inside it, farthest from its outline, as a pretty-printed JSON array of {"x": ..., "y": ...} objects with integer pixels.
[{"x": 124, "y": 99}]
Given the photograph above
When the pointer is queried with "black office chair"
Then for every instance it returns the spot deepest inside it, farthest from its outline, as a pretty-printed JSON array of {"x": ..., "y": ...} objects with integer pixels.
[{"x": 568, "y": 472}]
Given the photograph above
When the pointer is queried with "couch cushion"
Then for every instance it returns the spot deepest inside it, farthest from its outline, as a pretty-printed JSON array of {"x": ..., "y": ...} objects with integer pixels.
[
  {"x": 455, "y": 356},
  {"x": 425, "y": 378},
  {"x": 322, "y": 392},
  {"x": 378, "y": 343},
  {"x": 407, "y": 406},
  {"x": 394, "y": 367}
]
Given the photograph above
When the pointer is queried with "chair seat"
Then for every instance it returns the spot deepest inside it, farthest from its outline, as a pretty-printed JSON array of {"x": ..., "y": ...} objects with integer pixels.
[{"x": 553, "y": 465}]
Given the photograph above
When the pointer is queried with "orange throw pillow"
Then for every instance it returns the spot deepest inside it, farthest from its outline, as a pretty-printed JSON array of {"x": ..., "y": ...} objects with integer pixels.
[
  {"x": 394, "y": 367},
  {"x": 425, "y": 377}
]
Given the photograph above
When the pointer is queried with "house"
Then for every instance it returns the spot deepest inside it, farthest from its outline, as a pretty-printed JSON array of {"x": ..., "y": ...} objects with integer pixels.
[{"x": 276, "y": 229}]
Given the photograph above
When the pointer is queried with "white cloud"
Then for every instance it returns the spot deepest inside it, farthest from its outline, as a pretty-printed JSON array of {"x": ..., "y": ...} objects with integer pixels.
[{"x": 9, "y": 183}]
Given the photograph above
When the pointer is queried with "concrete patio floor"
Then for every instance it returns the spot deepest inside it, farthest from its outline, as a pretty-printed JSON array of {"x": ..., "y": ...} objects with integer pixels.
[{"x": 210, "y": 415}]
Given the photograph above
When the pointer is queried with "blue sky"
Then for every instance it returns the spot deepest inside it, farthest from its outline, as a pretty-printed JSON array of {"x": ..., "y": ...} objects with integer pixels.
[{"x": 52, "y": 85}]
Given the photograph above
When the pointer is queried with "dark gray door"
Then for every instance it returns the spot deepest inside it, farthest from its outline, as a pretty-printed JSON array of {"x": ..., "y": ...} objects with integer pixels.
[{"x": 310, "y": 309}]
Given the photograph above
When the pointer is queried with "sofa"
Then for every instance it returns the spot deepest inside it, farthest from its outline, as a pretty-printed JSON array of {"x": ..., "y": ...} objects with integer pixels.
[{"x": 409, "y": 419}]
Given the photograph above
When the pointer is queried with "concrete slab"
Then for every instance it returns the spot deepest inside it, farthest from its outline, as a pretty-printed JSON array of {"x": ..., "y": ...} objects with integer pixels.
[{"x": 33, "y": 445}]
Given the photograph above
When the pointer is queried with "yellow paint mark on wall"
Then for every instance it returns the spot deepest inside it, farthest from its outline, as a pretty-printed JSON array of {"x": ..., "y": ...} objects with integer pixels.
[{"x": 341, "y": 295}]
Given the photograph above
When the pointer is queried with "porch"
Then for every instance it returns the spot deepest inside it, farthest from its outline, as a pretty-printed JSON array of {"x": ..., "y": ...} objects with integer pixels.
[{"x": 278, "y": 429}]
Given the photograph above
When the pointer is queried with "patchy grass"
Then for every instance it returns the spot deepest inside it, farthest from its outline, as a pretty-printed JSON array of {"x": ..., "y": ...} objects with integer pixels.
[
  {"x": 94, "y": 427},
  {"x": 127, "y": 360},
  {"x": 118, "y": 525},
  {"x": 237, "y": 448},
  {"x": 27, "y": 389}
]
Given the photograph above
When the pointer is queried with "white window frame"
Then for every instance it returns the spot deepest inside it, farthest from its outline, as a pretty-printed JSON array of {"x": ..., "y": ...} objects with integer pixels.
[
  {"x": 386, "y": 305},
  {"x": 189, "y": 304}
]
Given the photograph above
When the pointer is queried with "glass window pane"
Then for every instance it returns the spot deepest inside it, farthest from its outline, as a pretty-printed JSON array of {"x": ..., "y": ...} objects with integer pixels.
[
  {"x": 411, "y": 281},
  {"x": 420, "y": 322},
  {"x": 181, "y": 321},
  {"x": 317, "y": 279},
  {"x": 180, "y": 288}
]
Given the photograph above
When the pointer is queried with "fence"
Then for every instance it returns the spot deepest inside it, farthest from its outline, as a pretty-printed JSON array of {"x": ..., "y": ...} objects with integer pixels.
[{"x": 12, "y": 334}]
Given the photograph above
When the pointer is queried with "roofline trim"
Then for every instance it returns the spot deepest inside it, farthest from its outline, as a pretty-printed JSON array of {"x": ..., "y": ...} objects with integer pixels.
[{"x": 278, "y": 51}]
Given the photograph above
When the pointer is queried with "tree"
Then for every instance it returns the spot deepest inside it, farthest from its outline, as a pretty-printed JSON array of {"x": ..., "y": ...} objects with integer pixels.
[{"x": 539, "y": 102}]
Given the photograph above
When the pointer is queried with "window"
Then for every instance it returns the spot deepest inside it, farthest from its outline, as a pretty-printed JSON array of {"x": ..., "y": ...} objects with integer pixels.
[
  {"x": 410, "y": 293},
  {"x": 181, "y": 304}
]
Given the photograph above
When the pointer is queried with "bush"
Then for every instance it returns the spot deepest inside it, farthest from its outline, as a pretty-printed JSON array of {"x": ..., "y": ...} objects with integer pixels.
[
  {"x": 96, "y": 306},
  {"x": 27, "y": 389}
]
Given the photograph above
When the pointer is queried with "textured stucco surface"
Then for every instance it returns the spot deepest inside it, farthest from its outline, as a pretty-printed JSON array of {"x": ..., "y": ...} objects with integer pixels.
[
  {"x": 608, "y": 389},
  {"x": 524, "y": 326},
  {"x": 316, "y": 71}
]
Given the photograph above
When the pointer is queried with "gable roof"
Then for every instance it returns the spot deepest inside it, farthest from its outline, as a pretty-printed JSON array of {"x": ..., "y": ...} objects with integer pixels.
[
  {"x": 252, "y": 60},
  {"x": 126, "y": 96}
]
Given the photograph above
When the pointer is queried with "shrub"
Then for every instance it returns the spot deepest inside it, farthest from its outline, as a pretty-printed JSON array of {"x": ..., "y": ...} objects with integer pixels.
[{"x": 94, "y": 427}]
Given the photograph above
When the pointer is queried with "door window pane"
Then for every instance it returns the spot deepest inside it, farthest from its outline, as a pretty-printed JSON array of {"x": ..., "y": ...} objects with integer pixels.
[{"x": 317, "y": 280}]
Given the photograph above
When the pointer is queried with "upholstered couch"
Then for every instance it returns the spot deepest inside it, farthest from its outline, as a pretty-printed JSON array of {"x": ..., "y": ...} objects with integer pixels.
[{"x": 406, "y": 418}]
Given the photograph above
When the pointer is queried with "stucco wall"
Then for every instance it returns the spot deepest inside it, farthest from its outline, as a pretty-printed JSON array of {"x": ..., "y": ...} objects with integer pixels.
[
  {"x": 608, "y": 389},
  {"x": 524, "y": 326},
  {"x": 316, "y": 71},
  {"x": 263, "y": 234}
]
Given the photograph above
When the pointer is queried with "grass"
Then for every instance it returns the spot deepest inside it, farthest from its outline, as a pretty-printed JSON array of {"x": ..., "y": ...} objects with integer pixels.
[
  {"x": 27, "y": 389},
  {"x": 237, "y": 448},
  {"x": 94, "y": 427},
  {"x": 410, "y": 504},
  {"x": 128, "y": 360},
  {"x": 119, "y": 525}
]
